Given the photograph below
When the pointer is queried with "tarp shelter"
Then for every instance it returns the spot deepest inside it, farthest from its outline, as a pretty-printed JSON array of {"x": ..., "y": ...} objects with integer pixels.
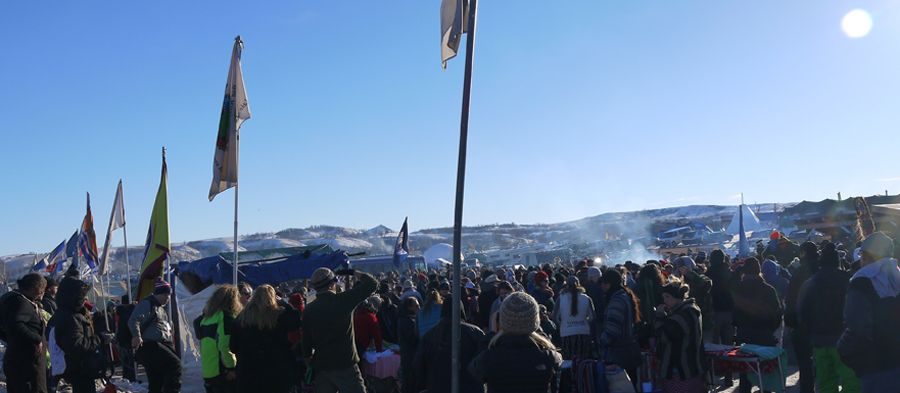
[
  {"x": 260, "y": 255},
  {"x": 751, "y": 222},
  {"x": 216, "y": 270}
]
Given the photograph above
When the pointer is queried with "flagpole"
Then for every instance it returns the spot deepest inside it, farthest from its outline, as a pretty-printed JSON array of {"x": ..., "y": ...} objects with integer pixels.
[
  {"x": 128, "y": 286},
  {"x": 460, "y": 187},
  {"x": 235, "y": 262}
]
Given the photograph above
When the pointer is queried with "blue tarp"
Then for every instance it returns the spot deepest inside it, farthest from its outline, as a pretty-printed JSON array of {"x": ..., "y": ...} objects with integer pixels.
[{"x": 216, "y": 270}]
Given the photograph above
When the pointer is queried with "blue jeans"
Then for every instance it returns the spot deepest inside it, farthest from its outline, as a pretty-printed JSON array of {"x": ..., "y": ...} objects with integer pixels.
[{"x": 887, "y": 381}]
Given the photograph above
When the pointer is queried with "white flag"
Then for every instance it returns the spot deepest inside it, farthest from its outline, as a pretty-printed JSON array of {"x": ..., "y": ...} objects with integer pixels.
[
  {"x": 454, "y": 22},
  {"x": 235, "y": 110},
  {"x": 116, "y": 221}
]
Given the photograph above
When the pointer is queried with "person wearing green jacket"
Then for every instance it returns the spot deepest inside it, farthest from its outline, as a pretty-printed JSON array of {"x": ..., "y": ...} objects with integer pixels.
[
  {"x": 328, "y": 343},
  {"x": 214, "y": 330}
]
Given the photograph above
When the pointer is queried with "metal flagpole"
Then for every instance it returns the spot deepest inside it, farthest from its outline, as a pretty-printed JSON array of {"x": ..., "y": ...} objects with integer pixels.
[
  {"x": 130, "y": 294},
  {"x": 235, "y": 262},
  {"x": 460, "y": 187}
]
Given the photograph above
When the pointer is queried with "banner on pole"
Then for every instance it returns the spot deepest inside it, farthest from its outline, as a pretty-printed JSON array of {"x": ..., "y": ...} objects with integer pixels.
[
  {"x": 156, "y": 249},
  {"x": 454, "y": 24},
  {"x": 235, "y": 110},
  {"x": 88, "y": 243},
  {"x": 116, "y": 221},
  {"x": 401, "y": 248},
  {"x": 52, "y": 260}
]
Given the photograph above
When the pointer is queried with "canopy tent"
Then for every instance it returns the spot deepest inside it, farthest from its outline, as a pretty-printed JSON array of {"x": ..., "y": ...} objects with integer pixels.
[
  {"x": 216, "y": 270},
  {"x": 751, "y": 222}
]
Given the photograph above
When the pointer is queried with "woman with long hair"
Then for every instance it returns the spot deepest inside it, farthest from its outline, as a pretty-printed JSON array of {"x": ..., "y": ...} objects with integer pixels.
[
  {"x": 430, "y": 313},
  {"x": 680, "y": 340},
  {"x": 265, "y": 360},
  {"x": 573, "y": 316},
  {"x": 214, "y": 332},
  {"x": 616, "y": 340},
  {"x": 518, "y": 358},
  {"x": 648, "y": 289}
]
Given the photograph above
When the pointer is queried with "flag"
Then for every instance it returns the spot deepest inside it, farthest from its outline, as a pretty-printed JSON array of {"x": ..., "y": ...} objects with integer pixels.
[
  {"x": 156, "y": 249},
  {"x": 72, "y": 246},
  {"x": 744, "y": 246},
  {"x": 454, "y": 23},
  {"x": 88, "y": 244},
  {"x": 116, "y": 221},
  {"x": 235, "y": 110},
  {"x": 51, "y": 261},
  {"x": 401, "y": 248}
]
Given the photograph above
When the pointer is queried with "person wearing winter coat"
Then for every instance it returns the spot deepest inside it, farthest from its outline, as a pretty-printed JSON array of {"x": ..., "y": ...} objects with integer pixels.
[
  {"x": 152, "y": 339},
  {"x": 574, "y": 316},
  {"x": 870, "y": 344},
  {"x": 74, "y": 334},
  {"x": 757, "y": 311},
  {"x": 214, "y": 328},
  {"x": 408, "y": 340},
  {"x": 622, "y": 313},
  {"x": 819, "y": 312},
  {"x": 432, "y": 362},
  {"x": 430, "y": 314},
  {"x": 680, "y": 341},
  {"x": 800, "y": 340},
  {"x": 721, "y": 275},
  {"x": 518, "y": 359},
  {"x": 366, "y": 327},
  {"x": 259, "y": 340},
  {"x": 25, "y": 359},
  {"x": 48, "y": 301},
  {"x": 328, "y": 344},
  {"x": 700, "y": 287}
]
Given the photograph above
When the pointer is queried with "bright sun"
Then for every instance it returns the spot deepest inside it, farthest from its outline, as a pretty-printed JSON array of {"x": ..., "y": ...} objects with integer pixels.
[{"x": 856, "y": 23}]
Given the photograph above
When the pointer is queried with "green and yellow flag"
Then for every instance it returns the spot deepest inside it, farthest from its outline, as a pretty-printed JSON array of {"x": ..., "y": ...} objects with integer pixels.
[{"x": 156, "y": 249}]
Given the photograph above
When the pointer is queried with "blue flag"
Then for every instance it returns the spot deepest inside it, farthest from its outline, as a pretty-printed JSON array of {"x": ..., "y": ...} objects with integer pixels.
[
  {"x": 743, "y": 246},
  {"x": 52, "y": 260},
  {"x": 401, "y": 248},
  {"x": 72, "y": 247}
]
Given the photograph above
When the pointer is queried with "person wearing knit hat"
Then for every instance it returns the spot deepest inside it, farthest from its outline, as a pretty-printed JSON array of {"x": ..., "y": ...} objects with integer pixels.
[
  {"x": 821, "y": 312},
  {"x": 679, "y": 340},
  {"x": 152, "y": 339},
  {"x": 518, "y": 358},
  {"x": 757, "y": 310},
  {"x": 869, "y": 342},
  {"x": 409, "y": 289}
]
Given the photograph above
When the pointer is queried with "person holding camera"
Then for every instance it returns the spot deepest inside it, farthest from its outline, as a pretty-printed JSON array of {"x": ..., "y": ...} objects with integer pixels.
[{"x": 329, "y": 344}]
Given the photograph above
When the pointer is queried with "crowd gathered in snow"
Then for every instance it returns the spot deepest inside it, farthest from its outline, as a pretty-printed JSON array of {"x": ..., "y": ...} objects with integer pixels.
[{"x": 838, "y": 306}]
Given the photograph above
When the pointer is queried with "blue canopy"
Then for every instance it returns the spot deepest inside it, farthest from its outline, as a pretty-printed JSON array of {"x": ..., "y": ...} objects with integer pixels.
[{"x": 216, "y": 270}]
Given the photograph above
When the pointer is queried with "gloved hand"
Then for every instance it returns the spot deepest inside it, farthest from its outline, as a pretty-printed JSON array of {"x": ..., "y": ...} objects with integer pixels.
[
  {"x": 107, "y": 337},
  {"x": 345, "y": 272}
]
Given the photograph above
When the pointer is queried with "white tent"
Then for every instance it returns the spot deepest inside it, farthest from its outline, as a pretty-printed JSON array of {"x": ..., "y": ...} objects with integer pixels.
[
  {"x": 751, "y": 222},
  {"x": 440, "y": 250}
]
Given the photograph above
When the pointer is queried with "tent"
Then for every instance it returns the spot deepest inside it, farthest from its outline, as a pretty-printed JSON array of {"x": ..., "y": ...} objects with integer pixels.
[
  {"x": 751, "y": 222},
  {"x": 216, "y": 270}
]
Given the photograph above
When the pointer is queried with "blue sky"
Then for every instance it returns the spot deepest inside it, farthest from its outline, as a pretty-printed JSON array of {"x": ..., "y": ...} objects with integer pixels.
[{"x": 578, "y": 108}]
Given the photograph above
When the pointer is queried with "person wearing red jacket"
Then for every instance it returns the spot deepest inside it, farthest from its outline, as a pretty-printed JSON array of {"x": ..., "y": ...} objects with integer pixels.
[{"x": 365, "y": 325}]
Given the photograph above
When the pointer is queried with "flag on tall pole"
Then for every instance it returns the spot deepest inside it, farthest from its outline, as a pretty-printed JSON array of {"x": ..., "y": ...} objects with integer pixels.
[
  {"x": 401, "y": 247},
  {"x": 156, "y": 249},
  {"x": 454, "y": 23},
  {"x": 235, "y": 110},
  {"x": 50, "y": 262},
  {"x": 116, "y": 221},
  {"x": 88, "y": 244},
  {"x": 458, "y": 17}
]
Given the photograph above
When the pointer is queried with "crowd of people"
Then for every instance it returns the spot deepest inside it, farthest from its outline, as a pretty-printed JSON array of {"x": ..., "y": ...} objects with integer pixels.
[{"x": 838, "y": 307}]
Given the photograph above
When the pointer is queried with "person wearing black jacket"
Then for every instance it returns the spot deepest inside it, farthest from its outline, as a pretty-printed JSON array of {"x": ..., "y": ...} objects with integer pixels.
[
  {"x": 25, "y": 360},
  {"x": 432, "y": 361},
  {"x": 757, "y": 311},
  {"x": 800, "y": 340},
  {"x": 408, "y": 336},
  {"x": 75, "y": 337},
  {"x": 820, "y": 312},
  {"x": 48, "y": 300}
]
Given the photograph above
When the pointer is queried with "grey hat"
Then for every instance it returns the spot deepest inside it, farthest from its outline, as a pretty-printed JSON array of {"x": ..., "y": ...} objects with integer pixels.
[
  {"x": 594, "y": 271},
  {"x": 519, "y": 314},
  {"x": 322, "y": 278},
  {"x": 686, "y": 262},
  {"x": 878, "y": 244},
  {"x": 491, "y": 279},
  {"x": 407, "y": 285}
]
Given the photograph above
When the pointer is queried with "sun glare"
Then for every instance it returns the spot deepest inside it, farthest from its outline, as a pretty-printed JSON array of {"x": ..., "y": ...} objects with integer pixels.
[{"x": 856, "y": 23}]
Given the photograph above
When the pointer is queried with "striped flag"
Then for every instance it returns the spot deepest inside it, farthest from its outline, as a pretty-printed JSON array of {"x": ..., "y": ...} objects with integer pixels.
[
  {"x": 235, "y": 110},
  {"x": 156, "y": 249},
  {"x": 51, "y": 261},
  {"x": 116, "y": 221},
  {"x": 88, "y": 244}
]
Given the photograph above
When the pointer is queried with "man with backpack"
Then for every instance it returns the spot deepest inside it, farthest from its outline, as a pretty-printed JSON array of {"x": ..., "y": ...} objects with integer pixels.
[
  {"x": 152, "y": 341},
  {"x": 25, "y": 360}
]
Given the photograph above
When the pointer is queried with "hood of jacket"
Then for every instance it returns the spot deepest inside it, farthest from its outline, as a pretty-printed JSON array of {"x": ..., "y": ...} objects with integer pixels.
[
  {"x": 885, "y": 276},
  {"x": 70, "y": 293}
]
